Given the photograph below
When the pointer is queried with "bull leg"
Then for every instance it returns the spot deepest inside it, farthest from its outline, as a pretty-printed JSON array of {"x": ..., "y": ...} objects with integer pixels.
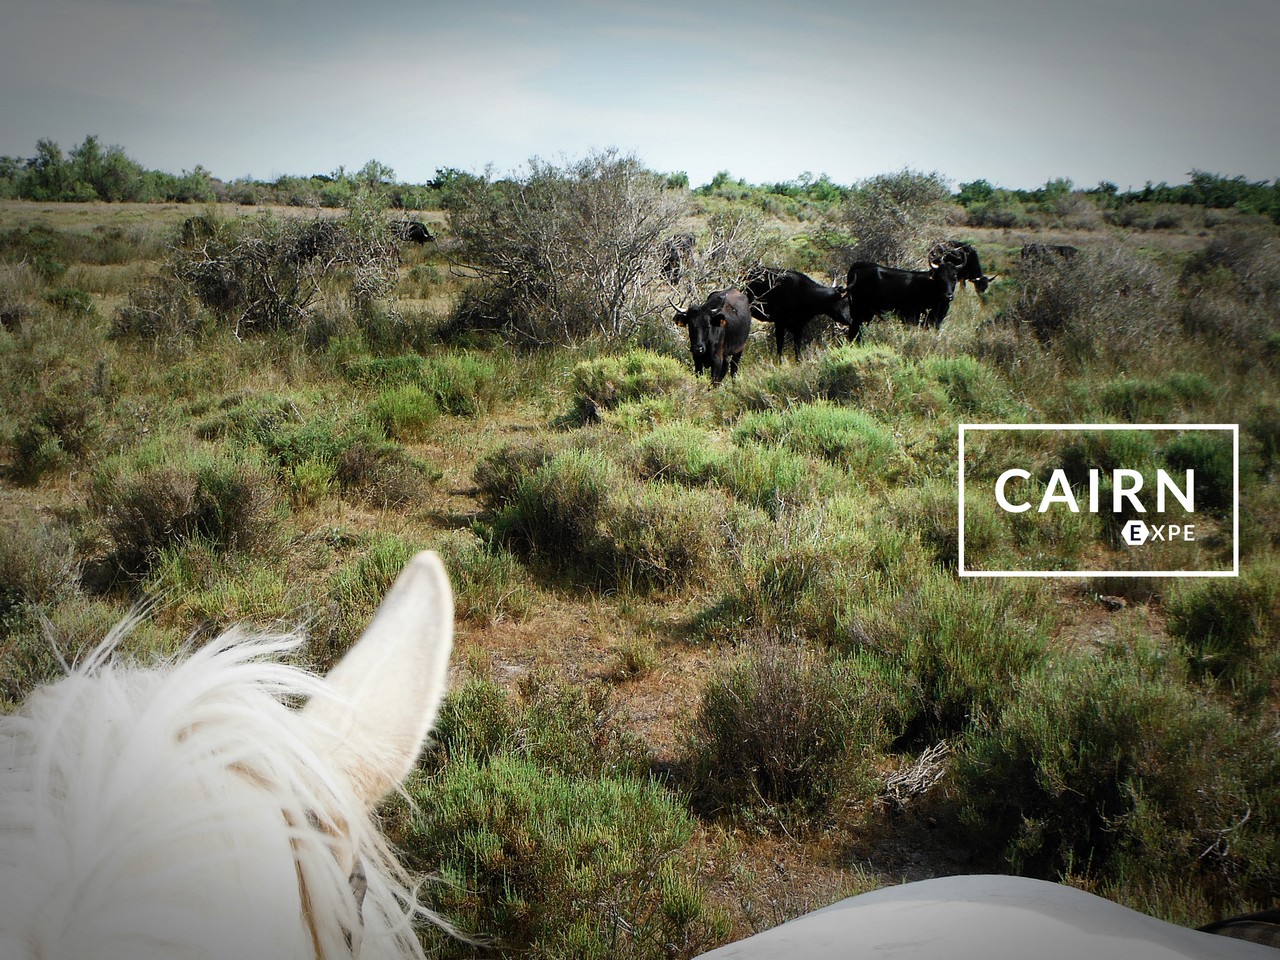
[
  {"x": 797, "y": 336},
  {"x": 733, "y": 365},
  {"x": 779, "y": 338}
]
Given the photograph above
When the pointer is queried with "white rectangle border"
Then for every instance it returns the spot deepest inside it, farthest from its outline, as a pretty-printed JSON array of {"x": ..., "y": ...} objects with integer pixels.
[{"x": 1233, "y": 428}]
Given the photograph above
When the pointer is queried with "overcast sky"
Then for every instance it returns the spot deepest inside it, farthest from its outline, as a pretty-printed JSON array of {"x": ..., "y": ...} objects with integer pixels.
[{"x": 1017, "y": 92}]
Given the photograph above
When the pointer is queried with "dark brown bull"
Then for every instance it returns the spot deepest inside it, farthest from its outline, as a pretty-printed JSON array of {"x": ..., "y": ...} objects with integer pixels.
[{"x": 718, "y": 332}]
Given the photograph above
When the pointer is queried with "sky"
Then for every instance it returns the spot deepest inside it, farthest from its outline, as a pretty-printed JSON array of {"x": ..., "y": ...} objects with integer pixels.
[{"x": 1016, "y": 92}]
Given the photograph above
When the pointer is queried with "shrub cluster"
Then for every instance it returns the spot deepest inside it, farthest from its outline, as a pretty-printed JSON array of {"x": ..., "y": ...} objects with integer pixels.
[
  {"x": 1099, "y": 303},
  {"x": 550, "y": 839},
  {"x": 1113, "y": 769},
  {"x": 163, "y": 494},
  {"x": 581, "y": 510},
  {"x": 565, "y": 252},
  {"x": 791, "y": 731}
]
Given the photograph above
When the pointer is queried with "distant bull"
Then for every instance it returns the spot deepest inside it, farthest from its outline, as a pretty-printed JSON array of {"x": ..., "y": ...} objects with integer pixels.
[
  {"x": 676, "y": 253},
  {"x": 964, "y": 258},
  {"x": 411, "y": 231}
]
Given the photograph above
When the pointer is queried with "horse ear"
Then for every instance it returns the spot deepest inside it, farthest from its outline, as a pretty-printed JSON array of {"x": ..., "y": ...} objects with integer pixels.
[{"x": 388, "y": 687}]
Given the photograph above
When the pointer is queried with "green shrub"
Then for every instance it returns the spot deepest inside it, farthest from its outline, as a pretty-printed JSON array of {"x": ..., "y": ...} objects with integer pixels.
[
  {"x": 972, "y": 388},
  {"x": 1109, "y": 768},
  {"x": 800, "y": 576},
  {"x": 498, "y": 474},
  {"x": 1100, "y": 303},
  {"x": 1228, "y": 626},
  {"x": 791, "y": 732},
  {"x": 538, "y": 863},
  {"x": 58, "y": 426},
  {"x": 770, "y": 478},
  {"x": 1146, "y": 400},
  {"x": 839, "y": 434},
  {"x": 465, "y": 384},
  {"x": 962, "y": 644},
  {"x": 462, "y": 383},
  {"x": 404, "y": 412},
  {"x": 581, "y": 511},
  {"x": 489, "y": 584},
  {"x": 37, "y": 565},
  {"x": 355, "y": 590},
  {"x": 570, "y": 730},
  {"x": 310, "y": 481},
  {"x": 383, "y": 474},
  {"x": 539, "y": 815},
  {"x": 163, "y": 494},
  {"x": 661, "y": 535},
  {"x": 1209, "y": 454},
  {"x": 558, "y": 510},
  {"x": 602, "y": 384},
  {"x": 75, "y": 302},
  {"x": 679, "y": 453}
]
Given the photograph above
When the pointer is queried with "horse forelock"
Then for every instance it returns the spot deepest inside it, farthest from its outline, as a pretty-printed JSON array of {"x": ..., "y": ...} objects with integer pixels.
[{"x": 183, "y": 811}]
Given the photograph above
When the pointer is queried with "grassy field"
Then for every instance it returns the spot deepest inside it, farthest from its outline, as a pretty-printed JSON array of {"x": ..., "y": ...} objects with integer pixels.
[{"x": 715, "y": 666}]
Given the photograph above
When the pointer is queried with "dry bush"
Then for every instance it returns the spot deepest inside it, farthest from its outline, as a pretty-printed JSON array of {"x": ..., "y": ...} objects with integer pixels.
[
  {"x": 1232, "y": 287},
  {"x": 894, "y": 216},
  {"x": 1100, "y": 302},
  {"x": 264, "y": 274},
  {"x": 568, "y": 252}
]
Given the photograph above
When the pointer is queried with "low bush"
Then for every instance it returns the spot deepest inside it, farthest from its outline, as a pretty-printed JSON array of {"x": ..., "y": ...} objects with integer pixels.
[
  {"x": 839, "y": 434},
  {"x": 489, "y": 583},
  {"x": 602, "y": 384},
  {"x": 354, "y": 592},
  {"x": 962, "y": 645},
  {"x": 165, "y": 493},
  {"x": 59, "y": 427},
  {"x": 1209, "y": 454},
  {"x": 37, "y": 565},
  {"x": 405, "y": 412},
  {"x": 1228, "y": 627},
  {"x": 786, "y": 733},
  {"x": 498, "y": 474},
  {"x": 538, "y": 863},
  {"x": 538, "y": 813},
  {"x": 1099, "y": 303},
  {"x": 582, "y": 511},
  {"x": 1110, "y": 768},
  {"x": 462, "y": 383},
  {"x": 383, "y": 474}
]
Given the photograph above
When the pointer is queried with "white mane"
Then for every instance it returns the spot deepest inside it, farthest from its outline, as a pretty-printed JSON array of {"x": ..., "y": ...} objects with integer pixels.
[{"x": 186, "y": 811}]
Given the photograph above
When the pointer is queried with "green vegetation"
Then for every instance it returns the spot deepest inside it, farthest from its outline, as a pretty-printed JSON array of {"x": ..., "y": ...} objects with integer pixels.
[{"x": 710, "y": 640}]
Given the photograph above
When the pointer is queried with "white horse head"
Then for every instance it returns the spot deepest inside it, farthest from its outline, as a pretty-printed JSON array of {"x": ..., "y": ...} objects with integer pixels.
[{"x": 187, "y": 811}]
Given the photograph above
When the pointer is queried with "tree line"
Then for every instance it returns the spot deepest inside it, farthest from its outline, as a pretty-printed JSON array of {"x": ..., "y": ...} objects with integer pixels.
[{"x": 92, "y": 171}]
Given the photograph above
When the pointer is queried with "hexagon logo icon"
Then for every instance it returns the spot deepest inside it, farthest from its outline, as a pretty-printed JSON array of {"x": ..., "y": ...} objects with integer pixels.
[{"x": 1135, "y": 533}]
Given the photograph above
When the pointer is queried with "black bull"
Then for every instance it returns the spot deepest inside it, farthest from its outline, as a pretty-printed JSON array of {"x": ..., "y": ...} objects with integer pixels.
[
  {"x": 789, "y": 299},
  {"x": 718, "y": 332},
  {"x": 911, "y": 294}
]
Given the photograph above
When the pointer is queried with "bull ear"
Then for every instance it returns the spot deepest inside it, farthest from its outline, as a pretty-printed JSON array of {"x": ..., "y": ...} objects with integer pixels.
[
  {"x": 386, "y": 690},
  {"x": 681, "y": 320},
  {"x": 723, "y": 320}
]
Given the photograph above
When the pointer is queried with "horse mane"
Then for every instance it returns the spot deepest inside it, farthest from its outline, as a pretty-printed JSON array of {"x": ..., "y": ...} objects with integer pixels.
[{"x": 184, "y": 810}]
